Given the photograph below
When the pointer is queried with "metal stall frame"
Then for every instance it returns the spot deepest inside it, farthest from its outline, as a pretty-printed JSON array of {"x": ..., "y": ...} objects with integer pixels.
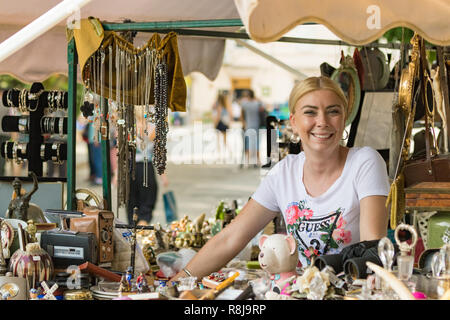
[{"x": 188, "y": 28}]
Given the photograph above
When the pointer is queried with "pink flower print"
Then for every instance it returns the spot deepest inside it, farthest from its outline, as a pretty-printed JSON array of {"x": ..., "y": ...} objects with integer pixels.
[
  {"x": 341, "y": 223},
  {"x": 342, "y": 236},
  {"x": 292, "y": 214},
  {"x": 308, "y": 253},
  {"x": 307, "y": 213}
]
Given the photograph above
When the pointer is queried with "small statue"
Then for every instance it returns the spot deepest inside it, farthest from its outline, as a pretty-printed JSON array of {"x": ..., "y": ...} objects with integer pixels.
[
  {"x": 128, "y": 277},
  {"x": 123, "y": 287},
  {"x": 18, "y": 207},
  {"x": 141, "y": 283},
  {"x": 34, "y": 294},
  {"x": 6, "y": 295}
]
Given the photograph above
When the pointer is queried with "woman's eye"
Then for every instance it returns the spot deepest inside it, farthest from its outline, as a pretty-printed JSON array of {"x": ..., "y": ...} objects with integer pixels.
[
  {"x": 309, "y": 112},
  {"x": 335, "y": 111}
]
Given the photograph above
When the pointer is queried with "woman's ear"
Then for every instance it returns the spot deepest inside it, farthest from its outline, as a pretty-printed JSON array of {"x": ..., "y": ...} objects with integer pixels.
[{"x": 292, "y": 122}]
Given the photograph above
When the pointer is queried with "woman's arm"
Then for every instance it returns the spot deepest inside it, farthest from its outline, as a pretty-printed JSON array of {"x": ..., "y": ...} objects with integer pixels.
[
  {"x": 225, "y": 245},
  {"x": 373, "y": 221}
]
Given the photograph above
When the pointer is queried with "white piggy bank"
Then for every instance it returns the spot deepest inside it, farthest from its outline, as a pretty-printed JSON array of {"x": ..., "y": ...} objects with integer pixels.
[{"x": 279, "y": 258}]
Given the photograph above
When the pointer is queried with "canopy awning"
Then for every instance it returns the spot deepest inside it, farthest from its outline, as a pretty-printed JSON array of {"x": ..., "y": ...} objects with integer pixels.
[
  {"x": 48, "y": 54},
  {"x": 356, "y": 22}
]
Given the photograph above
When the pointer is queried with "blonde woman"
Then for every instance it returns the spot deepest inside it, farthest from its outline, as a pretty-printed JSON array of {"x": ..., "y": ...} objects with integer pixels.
[{"x": 330, "y": 196}]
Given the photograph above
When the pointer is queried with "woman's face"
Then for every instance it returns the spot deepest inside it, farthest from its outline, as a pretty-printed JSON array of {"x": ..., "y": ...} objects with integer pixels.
[{"x": 319, "y": 120}]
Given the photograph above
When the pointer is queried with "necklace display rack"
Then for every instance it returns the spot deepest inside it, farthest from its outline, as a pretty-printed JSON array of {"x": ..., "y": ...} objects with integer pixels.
[
  {"x": 127, "y": 87},
  {"x": 35, "y": 106}
]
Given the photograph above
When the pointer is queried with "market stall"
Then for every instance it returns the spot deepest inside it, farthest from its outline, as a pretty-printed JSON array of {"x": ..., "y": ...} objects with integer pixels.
[{"x": 135, "y": 262}]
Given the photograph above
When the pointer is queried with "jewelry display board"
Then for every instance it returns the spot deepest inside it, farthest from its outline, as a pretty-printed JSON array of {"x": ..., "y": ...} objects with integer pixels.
[{"x": 35, "y": 106}]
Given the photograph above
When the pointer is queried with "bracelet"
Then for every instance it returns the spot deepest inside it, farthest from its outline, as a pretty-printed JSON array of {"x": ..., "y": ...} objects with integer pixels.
[
  {"x": 60, "y": 125},
  {"x": 8, "y": 98},
  {"x": 23, "y": 100},
  {"x": 42, "y": 152},
  {"x": 57, "y": 99},
  {"x": 22, "y": 147},
  {"x": 54, "y": 147},
  {"x": 56, "y": 158},
  {"x": 46, "y": 125},
  {"x": 34, "y": 96},
  {"x": 14, "y": 153},
  {"x": 187, "y": 272},
  {"x": 62, "y": 100},
  {"x": 58, "y": 154},
  {"x": 52, "y": 125},
  {"x": 6, "y": 150},
  {"x": 23, "y": 124}
]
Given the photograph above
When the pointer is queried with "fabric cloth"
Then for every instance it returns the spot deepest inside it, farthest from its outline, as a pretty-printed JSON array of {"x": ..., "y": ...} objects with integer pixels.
[
  {"x": 310, "y": 219},
  {"x": 90, "y": 37},
  {"x": 47, "y": 54},
  {"x": 356, "y": 22}
]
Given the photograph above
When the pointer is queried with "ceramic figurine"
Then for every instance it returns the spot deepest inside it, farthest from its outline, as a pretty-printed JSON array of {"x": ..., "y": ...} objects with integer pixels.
[
  {"x": 279, "y": 258},
  {"x": 141, "y": 283},
  {"x": 34, "y": 264},
  {"x": 123, "y": 287},
  {"x": 6, "y": 295},
  {"x": 128, "y": 277},
  {"x": 34, "y": 294}
]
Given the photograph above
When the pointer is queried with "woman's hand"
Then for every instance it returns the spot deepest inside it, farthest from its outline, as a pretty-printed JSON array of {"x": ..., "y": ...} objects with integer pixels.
[{"x": 225, "y": 245}]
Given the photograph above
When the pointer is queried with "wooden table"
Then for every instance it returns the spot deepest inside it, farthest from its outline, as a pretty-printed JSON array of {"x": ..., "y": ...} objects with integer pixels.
[{"x": 428, "y": 196}]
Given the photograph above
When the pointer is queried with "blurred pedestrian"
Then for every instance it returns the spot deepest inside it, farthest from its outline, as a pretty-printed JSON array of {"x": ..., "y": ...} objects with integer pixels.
[
  {"x": 251, "y": 109},
  {"x": 222, "y": 114},
  {"x": 95, "y": 155}
]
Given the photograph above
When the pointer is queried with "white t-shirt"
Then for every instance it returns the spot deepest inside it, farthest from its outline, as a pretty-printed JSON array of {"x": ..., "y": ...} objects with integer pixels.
[{"x": 310, "y": 219}]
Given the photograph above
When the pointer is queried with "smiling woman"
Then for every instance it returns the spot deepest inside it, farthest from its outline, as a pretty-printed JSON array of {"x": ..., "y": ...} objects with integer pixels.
[{"x": 330, "y": 196}]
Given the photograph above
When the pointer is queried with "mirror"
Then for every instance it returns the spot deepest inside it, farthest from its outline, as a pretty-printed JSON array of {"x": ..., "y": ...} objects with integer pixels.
[{"x": 347, "y": 77}]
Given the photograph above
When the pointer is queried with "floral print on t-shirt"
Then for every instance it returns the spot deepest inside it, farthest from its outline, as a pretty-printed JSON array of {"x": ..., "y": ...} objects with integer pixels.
[{"x": 317, "y": 232}]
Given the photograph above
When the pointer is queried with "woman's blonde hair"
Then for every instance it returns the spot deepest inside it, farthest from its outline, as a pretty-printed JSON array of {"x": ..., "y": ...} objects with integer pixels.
[{"x": 312, "y": 84}]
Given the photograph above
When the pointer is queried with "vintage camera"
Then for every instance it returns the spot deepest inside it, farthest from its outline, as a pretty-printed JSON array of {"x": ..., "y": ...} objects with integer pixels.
[
  {"x": 70, "y": 247},
  {"x": 101, "y": 223}
]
